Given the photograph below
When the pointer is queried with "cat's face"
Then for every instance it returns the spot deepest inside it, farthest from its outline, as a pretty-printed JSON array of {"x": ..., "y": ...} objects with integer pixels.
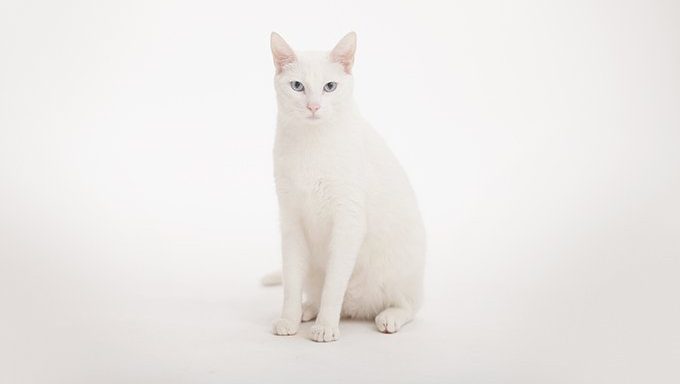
[{"x": 313, "y": 86}]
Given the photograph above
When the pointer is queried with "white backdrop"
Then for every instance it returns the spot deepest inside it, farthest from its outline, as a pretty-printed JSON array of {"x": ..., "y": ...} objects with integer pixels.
[{"x": 137, "y": 207}]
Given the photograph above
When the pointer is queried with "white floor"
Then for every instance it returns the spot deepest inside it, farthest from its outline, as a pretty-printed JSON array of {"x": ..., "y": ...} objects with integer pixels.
[{"x": 198, "y": 329}]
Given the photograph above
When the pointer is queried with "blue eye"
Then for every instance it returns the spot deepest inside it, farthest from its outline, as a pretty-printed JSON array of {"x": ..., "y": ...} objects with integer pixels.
[
  {"x": 297, "y": 86},
  {"x": 330, "y": 87}
]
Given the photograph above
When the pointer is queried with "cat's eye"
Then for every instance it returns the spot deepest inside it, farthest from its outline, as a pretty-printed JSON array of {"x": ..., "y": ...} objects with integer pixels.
[
  {"x": 330, "y": 87},
  {"x": 297, "y": 86}
]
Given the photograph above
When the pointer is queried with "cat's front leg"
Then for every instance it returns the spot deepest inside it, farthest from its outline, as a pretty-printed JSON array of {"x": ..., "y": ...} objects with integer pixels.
[
  {"x": 295, "y": 253},
  {"x": 349, "y": 229}
]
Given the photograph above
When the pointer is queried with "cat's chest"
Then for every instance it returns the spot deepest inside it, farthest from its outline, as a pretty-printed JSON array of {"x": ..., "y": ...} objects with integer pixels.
[
  {"x": 314, "y": 169},
  {"x": 307, "y": 177}
]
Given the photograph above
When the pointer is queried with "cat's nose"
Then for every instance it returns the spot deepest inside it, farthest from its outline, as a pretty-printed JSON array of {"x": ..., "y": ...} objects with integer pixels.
[{"x": 313, "y": 107}]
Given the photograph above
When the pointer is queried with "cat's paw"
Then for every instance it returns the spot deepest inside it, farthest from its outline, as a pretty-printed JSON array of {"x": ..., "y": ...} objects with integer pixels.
[
  {"x": 391, "y": 319},
  {"x": 386, "y": 323},
  {"x": 285, "y": 327},
  {"x": 309, "y": 311},
  {"x": 324, "y": 333}
]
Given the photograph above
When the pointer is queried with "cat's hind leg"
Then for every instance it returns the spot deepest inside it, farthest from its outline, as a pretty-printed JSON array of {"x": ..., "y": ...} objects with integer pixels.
[
  {"x": 309, "y": 311},
  {"x": 313, "y": 284},
  {"x": 392, "y": 319}
]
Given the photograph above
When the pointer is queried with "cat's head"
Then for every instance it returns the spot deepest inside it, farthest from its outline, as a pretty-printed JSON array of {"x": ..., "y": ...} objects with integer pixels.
[{"x": 313, "y": 86}]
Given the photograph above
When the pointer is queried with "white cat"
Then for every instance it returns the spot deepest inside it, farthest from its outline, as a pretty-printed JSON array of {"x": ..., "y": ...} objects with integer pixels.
[{"x": 352, "y": 236}]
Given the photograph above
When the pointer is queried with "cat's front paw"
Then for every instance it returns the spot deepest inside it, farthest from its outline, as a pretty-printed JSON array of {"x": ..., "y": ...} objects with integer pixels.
[
  {"x": 324, "y": 333},
  {"x": 285, "y": 327}
]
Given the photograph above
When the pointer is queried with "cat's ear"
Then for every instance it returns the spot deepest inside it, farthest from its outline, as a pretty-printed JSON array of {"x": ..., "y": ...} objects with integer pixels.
[
  {"x": 282, "y": 52},
  {"x": 343, "y": 52}
]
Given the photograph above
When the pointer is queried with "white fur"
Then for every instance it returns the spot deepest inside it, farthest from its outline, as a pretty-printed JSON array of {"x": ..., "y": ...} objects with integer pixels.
[{"x": 352, "y": 237}]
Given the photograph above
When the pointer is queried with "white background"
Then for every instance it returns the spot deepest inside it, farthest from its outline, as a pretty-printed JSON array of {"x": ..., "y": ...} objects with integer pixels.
[{"x": 137, "y": 206}]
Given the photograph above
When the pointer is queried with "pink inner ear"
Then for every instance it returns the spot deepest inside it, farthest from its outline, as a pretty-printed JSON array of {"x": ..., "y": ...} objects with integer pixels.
[
  {"x": 283, "y": 60},
  {"x": 281, "y": 51},
  {"x": 345, "y": 60},
  {"x": 343, "y": 52}
]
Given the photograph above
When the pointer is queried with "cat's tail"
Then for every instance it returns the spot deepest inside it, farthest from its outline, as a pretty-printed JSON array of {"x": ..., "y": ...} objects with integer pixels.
[{"x": 270, "y": 279}]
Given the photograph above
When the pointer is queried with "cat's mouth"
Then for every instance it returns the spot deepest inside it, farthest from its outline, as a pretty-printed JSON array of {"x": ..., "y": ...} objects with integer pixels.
[{"x": 313, "y": 117}]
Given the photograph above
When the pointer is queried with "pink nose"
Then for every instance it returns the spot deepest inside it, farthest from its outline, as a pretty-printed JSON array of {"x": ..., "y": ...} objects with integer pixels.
[{"x": 313, "y": 107}]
